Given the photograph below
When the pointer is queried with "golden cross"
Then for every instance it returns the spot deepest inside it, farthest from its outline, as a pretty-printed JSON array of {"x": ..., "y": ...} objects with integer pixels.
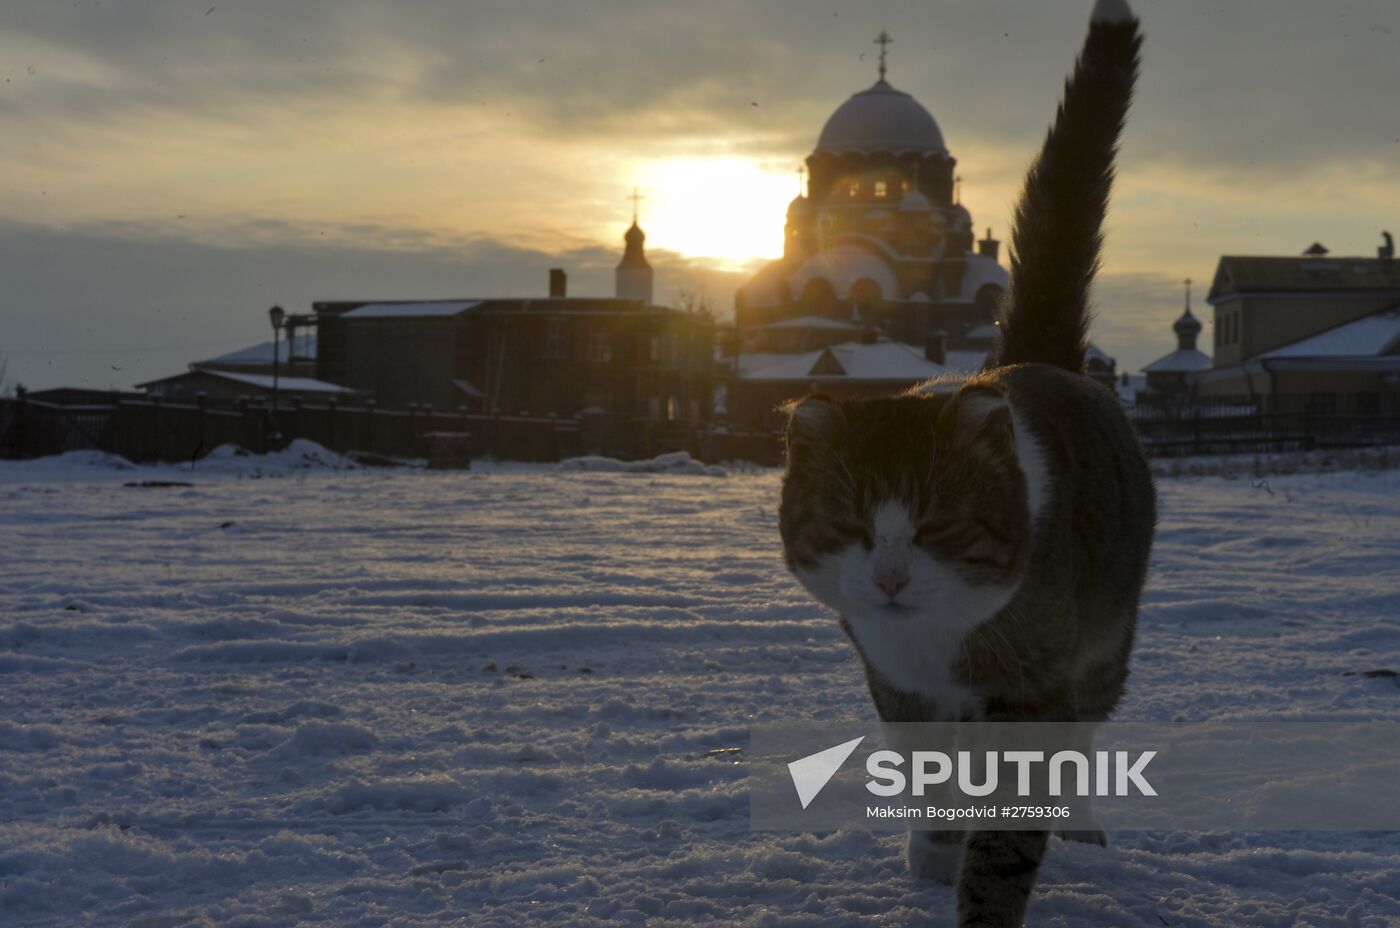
[
  {"x": 635, "y": 198},
  {"x": 1188, "y": 293},
  {"x": 883, "y": 40}
]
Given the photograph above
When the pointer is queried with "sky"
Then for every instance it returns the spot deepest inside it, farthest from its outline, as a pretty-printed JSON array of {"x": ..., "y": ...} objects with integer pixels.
[{"x": 170, "y": 170}]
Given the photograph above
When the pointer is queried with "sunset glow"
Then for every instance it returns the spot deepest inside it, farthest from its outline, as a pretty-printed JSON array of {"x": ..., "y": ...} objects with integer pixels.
[{"x": 728, "y": 209}]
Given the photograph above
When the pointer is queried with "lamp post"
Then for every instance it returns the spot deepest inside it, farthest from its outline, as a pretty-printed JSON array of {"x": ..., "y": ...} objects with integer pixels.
[{"x": 276, "y": 314}]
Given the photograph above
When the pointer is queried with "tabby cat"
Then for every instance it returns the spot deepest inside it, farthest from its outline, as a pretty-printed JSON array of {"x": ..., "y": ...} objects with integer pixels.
[{"x": 985, "y": 546}]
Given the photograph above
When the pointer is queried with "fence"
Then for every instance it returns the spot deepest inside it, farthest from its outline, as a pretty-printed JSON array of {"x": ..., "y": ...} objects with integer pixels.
[
  {"x": 1240, "y": 433},
  {"x": 153, "y": 431}
]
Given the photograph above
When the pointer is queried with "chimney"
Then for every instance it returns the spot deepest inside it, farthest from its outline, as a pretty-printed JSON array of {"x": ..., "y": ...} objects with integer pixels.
[
  {"x": 1387, "y": 251},
  {"x": 936, "y": 347},
  {"x": 989, "y": 246},
  {"x": 558, "y": 283}
]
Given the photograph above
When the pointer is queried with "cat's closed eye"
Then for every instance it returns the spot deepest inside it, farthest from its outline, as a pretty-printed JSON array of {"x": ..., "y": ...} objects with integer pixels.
[
  {"x": 932, "y": 532},
  {"x": 856, "y": 530}
]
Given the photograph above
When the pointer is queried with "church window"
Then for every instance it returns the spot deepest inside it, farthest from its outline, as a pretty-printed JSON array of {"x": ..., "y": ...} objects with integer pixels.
[
  {"x": 882, "y": 189},
  {"x": 673, "y": 407},
  {"x": 904, "y": 186},
  {"x": 866, "y": 293},
  {"x": 853, "y": 189},
  {"x": 654, "y": 354},
  {"x": 554, "y": 338},
  {"x": 598, "y": 348}
]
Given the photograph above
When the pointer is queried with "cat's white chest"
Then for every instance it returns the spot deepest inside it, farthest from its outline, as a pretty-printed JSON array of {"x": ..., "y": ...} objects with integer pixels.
[{"x": 917, "y": 656}]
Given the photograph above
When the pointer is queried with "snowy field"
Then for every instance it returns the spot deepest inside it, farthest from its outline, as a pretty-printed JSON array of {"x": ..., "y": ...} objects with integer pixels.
[{"x": 519, "y": 696}]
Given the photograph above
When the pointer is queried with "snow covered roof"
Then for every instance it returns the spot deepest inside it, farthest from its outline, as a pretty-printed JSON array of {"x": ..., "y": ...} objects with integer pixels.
[
  {"x": 914, "y": 202},
  {"x": 894, "y": 361},
  {"x": 809, "y": 322},
  {"x": 881, "y": 119},
  {"x": 427, "y": 309},
  {"x": 291, "y": 384},
  {"x": 260, "y": 355},
  {"x": 1127, "y": 392},
  {"x": 1094, "y": 353},
  {"x": 468, "y": 388},
  {"x": 980, "y": 270},
  {"x": 262, "y": 381},
  {"x": 1181, "y": 361},
  {"x": 842, "y": 266},
  {"x": 1367, "y": 337}
]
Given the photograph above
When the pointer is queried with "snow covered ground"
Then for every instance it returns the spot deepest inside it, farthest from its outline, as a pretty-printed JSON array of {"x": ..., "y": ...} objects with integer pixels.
[{"x": 520, "y": 696}]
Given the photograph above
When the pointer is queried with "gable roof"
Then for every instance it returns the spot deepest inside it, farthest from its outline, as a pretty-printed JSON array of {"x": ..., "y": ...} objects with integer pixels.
[
  {"x": 1372, "y": 336},
  {"x": 810, "y": 322},
  {"x": 882, "y": 361},
  {"x": 1250, "y": 274},
  {"x": 262, "y": 381},
  {"x": 260, "y": 355},
  {"x": 421, "y": 310},
  {"x": 1180, "y": 361}
]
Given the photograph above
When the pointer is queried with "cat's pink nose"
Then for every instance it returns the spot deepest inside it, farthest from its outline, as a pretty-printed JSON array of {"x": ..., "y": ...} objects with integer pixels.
[{"x": 892, "y": 580}]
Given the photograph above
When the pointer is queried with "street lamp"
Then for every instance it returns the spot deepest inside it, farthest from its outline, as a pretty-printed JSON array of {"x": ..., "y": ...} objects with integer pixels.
[{"x": 276, "y": 314}]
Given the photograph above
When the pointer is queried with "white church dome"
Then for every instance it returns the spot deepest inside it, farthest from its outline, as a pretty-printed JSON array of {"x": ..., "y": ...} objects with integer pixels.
[{"x": 881, "y": 119}]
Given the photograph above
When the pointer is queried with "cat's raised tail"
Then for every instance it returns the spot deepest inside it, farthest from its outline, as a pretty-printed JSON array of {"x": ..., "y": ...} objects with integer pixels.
[{"x": 1059, "y": 220}]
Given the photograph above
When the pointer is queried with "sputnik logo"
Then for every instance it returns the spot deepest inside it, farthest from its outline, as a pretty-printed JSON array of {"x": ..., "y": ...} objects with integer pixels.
[{"x": 810, "y": 774}]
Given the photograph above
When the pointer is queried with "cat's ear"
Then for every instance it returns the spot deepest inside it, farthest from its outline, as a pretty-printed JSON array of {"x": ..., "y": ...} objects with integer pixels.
[
  {"x": 815, "y": 419},
  {"x": 978, "y": 412}
]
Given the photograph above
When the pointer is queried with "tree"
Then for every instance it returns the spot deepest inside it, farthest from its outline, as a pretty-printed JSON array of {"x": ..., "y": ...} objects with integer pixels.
[{"x": 696, "y": 300}]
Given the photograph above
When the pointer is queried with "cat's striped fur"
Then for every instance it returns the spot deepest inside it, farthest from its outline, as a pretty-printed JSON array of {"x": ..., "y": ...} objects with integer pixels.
[{"x": 986, "y": 548}]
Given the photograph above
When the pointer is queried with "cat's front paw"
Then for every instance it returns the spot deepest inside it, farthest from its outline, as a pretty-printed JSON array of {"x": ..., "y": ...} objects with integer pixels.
[{"x": 935, "y": 855}]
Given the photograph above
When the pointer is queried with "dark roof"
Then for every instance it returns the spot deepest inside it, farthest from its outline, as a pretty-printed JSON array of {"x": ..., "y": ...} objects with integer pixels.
[
  {"x": 1250, "y": 274},
  {"x": 418, "y": 310}
]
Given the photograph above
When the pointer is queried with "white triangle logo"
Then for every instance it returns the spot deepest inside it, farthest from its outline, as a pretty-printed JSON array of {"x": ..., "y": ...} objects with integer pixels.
[{"x": 811, "y": 773}]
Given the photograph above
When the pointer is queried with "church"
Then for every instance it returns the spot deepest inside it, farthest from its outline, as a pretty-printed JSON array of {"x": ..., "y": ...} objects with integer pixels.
[
  {"x": 878, "y": 239},
  {"x": 882, "y": 282}
]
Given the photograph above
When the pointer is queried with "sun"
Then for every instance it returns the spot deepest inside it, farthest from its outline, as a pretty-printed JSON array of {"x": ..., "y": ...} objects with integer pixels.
[{"x": 728, "y": 209}]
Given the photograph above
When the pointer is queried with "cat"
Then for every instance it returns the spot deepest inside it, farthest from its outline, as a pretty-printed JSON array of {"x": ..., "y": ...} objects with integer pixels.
[{"x": 986, "y": 547}]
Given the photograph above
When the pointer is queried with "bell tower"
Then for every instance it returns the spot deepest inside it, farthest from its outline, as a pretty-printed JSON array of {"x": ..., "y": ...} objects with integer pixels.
[{"x": 633, "y": 279}]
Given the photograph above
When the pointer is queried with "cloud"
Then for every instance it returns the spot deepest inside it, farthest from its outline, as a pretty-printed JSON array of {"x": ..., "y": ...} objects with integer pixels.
[
  {"x": 169, "y": 171},
  {"x": 115, "y": 304},
  {"x": 1268, "y": 84}
]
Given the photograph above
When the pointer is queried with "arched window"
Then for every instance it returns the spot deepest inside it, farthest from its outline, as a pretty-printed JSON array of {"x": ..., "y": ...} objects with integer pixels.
[
  {"x": 866, "y": 293},
  {"x": 882, "y": 189}
]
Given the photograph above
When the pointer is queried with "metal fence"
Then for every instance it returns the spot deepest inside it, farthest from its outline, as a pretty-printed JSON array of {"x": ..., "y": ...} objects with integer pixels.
[{"x": 154, "y": 431}]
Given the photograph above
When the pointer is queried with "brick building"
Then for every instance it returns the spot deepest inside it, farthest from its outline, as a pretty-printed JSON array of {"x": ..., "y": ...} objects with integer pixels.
[{"x": 551, "y": 355}]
